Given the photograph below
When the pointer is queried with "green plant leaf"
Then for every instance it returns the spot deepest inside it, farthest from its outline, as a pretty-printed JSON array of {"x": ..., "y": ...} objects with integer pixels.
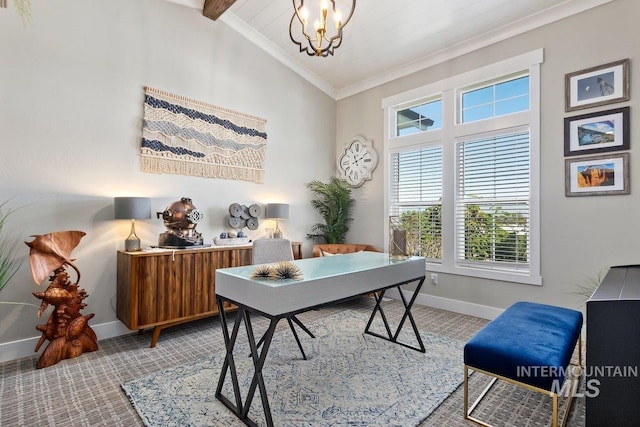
[
  {"x": 334, "y": 203},
  {"x": 9, "y": 262}
]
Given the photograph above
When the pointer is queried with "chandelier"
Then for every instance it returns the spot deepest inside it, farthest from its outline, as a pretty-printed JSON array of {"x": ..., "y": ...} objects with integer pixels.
[{"x": 319, "y": 40}]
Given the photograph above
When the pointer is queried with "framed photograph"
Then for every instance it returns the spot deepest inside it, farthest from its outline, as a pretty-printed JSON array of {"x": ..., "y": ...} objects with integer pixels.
[
  {"x": 597, "y": 175},
  {"x": 604, "y": 84},
  {"x": 597, "y": 132}
]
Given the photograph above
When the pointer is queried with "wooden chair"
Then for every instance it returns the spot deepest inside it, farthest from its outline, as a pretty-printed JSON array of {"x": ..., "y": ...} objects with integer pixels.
[{"x": 341, "y": 248}]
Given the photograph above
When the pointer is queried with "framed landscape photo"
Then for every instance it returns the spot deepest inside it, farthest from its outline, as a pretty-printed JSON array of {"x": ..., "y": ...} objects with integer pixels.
[
  {"x": 597, "y": 175},
  {"x": 600, "y": 132},
  {"x": 601, "y": 85}
]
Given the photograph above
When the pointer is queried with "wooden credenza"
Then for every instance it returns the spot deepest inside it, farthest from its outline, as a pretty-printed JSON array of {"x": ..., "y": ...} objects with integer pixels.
[{"x": 158, "y": 289}]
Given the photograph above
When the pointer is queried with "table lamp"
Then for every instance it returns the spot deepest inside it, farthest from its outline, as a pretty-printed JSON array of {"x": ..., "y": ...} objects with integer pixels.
[
  {"x": 132, "y": 208},
  {"x": 277, "y": 211}
]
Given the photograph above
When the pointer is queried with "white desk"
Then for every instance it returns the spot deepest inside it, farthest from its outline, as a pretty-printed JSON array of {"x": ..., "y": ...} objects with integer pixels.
[{"x": 325, "y": 280}]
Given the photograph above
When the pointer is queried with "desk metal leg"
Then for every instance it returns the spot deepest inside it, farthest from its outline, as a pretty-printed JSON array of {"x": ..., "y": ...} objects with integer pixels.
[
  {"x": 302, "y": 326},
  {"x": 240, "y": 409},
  {"x": 295, "y": 334},
  {"x": 229, "y": 363},
  {"x": 393, "y": 337}
]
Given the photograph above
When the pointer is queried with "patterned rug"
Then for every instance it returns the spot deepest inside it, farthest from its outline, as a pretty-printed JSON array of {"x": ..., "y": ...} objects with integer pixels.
[{"x": 349, "y": 379}]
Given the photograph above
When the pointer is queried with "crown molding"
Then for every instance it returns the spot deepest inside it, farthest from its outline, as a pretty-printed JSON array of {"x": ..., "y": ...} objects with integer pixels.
[{"x": 548, "y": 16}]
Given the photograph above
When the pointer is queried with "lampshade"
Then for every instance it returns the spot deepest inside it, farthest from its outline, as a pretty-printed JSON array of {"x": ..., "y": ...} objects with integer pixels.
[
  {"x": 277, "y": 211},
  {"x": 132, "y": 207}
]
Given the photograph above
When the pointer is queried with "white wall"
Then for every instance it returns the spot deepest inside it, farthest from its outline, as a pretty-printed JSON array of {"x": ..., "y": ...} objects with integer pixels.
[
  {"x": 71, "y": 93},
  {"x": 581, "y": 236}
]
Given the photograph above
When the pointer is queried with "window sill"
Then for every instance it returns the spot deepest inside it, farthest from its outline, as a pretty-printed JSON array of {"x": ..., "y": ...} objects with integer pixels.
[{"x": 525, "y": 279}]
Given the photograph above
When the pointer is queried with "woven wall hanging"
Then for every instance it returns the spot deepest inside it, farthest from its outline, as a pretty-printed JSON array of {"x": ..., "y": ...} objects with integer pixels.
[{"x": 187, "y": 137}]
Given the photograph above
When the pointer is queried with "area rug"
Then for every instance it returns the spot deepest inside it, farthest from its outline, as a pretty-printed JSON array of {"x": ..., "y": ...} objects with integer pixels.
[{"x": 349, "y": 379}]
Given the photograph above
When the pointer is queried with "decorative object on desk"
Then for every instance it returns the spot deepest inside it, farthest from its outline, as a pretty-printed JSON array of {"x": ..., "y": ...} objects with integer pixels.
[
  {"x": 67, "y": 331},
  {"x": 188, "y": 137},
  {"x": 261, "y": 272},
  {"x": 283, "y": 270},
  {"x": 277, "y": 211},
  {"x": 307, "y": 391},
  {"x": 333, "y": 201},
  {"x": 286, "y": 270},
  {"x": 132, "y": 208},
  {"x": 357, "y": 162},
  {"x": 180, "y": 218},
  {"x": 313, "y": 43},
  {"x": 397, "y": 239}
]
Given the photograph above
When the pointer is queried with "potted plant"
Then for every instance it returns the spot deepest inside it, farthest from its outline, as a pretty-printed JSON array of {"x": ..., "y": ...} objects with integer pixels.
[
  {"x": 9, "y": 263},
  {"x": 333, "y": 201}
]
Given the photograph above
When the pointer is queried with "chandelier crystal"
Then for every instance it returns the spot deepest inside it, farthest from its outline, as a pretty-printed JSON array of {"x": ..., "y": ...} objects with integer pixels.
[{"x": 321, "y": 39}]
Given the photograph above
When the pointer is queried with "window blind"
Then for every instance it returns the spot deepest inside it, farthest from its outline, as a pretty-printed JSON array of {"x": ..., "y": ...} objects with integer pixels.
[
  {"x": 415, "y": 202},
  {"x": 492, "y": 201}
]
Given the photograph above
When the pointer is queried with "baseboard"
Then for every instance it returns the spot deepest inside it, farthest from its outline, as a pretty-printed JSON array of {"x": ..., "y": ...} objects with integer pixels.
[
  {"x": 457, "y": 306},
  {"x": 25, "y": 348}
]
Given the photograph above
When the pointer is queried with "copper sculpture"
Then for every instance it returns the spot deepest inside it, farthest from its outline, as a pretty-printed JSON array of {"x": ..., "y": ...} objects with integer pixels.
[{"x": 67, "y": 330}]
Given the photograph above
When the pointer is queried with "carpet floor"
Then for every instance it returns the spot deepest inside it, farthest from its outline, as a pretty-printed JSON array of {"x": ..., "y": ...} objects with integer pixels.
[{"x": 86, "y": 391}]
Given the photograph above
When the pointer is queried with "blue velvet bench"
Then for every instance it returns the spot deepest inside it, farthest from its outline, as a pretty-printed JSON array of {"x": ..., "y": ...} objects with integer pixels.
[{"x": 530, "y": 345}]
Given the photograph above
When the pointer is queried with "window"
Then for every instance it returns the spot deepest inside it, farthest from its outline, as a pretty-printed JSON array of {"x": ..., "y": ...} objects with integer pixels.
[
  {"x": 465, "y": 185},
  {"x": 416, "y": 197},
  {"x": 492, "y": 201},
  {"x": 495, "y": 99},
  {"x": 419, "y": 118}
]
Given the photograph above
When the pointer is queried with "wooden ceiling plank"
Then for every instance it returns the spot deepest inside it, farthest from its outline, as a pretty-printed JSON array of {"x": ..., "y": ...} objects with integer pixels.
[{"x": 214, "y": 8}]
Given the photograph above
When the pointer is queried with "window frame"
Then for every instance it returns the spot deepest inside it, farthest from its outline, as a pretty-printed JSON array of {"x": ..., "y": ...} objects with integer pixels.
[{"x": 450, "y": 89}]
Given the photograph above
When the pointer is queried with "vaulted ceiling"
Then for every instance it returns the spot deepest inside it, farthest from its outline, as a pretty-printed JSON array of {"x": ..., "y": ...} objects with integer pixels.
[{"x": 388, "y": 39}]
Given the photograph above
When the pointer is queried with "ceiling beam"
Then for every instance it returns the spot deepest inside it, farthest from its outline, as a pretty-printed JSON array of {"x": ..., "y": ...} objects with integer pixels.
[{"x": 214, "y": 8}]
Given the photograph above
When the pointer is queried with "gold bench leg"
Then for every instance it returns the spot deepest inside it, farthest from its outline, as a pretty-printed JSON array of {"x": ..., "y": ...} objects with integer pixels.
[{"x": 554, "y": 396}]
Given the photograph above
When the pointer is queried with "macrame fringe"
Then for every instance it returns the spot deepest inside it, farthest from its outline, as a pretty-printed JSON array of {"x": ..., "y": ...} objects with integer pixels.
[{"x": 205, "y": 170}]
